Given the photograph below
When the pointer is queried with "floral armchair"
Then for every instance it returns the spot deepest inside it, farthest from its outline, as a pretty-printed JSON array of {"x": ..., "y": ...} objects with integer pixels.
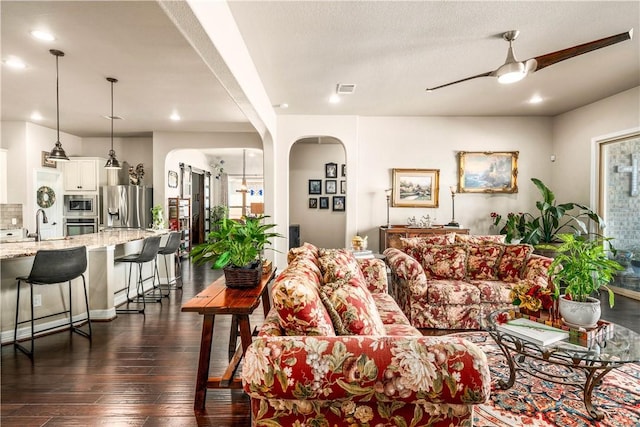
[{"x": 300, "y": 372}]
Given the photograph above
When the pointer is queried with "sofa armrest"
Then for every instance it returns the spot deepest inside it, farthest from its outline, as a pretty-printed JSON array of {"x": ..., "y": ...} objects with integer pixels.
[
  {"x": 360, "y": 368},
  {"x": 375, "y": 274},
  {"x": 407, "y": 272},
  {"x": 537, "y": 270}
]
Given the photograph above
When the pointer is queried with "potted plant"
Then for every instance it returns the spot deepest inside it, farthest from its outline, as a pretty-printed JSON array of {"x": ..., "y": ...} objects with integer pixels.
[
  {"x": 580, "y": 269},
  {"x": 546, "y": 225},
  {"x": 236, "y": 246},
  {"x": 512, "y": 228}
]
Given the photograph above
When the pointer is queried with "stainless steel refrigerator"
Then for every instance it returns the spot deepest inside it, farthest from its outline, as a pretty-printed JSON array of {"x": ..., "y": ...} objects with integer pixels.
[{"x": 127, "y": 206}]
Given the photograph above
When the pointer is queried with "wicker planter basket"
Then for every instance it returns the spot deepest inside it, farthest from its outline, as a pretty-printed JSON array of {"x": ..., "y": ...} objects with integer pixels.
[{"x": 243, "y": 277}]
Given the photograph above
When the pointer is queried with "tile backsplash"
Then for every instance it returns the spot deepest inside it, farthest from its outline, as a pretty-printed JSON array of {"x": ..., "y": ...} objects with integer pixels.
[{"x": 9, "y": 211}]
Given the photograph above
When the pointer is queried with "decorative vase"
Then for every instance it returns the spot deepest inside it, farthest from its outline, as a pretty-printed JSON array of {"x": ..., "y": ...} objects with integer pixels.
[{"x": 580, "y": 314}]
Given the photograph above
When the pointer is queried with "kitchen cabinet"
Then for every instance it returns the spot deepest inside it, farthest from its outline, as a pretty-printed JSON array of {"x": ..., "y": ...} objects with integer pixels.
[
  {"x": 180, "y": 220},
  {"x": 83, "y": 175},
  {"x": 390, "y": 237}
]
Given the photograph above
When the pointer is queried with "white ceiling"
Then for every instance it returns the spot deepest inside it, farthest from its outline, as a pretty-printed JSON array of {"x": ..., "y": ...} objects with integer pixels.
[{"x": 391, "y": 50}]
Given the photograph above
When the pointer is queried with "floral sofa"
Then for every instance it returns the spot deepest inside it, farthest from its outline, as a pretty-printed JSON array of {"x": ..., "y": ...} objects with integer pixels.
[
  {"x": 336, "y": 350},
  {"x": 453, "y": 281}
]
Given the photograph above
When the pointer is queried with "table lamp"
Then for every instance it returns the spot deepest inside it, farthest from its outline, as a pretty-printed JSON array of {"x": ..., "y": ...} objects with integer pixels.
[
  {"x": 453, "y": 222},
  {"x": 388, "y": 192}
]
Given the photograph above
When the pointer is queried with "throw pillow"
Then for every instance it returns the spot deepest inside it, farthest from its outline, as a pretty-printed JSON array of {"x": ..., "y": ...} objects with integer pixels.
[
  {"x": 514, "y": 258},
  {"x": 482, "y": 261},
  {"x": 413, "y": 246},
  {"x": 445, "y": 262},
  {"x": 354, "y": 305},
  {"x": 300, "y": 310},
  {"x": 337, "y": 263},
  {"x": 480, "y": 239},
  {"x": 375, "y": 274}
]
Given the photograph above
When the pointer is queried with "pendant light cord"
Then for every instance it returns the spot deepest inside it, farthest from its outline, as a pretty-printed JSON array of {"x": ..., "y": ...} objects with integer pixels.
[
  {"x": 57, "y": 102},
  {"x": 112, "y": 81}
]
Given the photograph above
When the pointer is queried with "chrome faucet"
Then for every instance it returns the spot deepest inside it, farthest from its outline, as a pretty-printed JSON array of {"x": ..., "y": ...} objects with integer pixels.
[{"x": 45, "y": 220}]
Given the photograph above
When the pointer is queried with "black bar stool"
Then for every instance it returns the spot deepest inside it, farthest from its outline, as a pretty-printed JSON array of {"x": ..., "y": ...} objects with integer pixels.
[
  {"x": 171, "y": 247},
  {"x": 148, "y": 253},
  {"x": 52, "y": 267}
]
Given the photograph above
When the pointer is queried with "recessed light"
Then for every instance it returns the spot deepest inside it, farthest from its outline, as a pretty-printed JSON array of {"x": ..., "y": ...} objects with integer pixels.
[
  {"x": 175, "y": 117},
  {"x": 42, "y": 35},
  {"x": 15, "y": 62},
  {"x": 334, "y": 99},
  {"x": 36, "y": 116},
  {"x": 283, "y": 106},
  {"x": 535, "y": 99}
]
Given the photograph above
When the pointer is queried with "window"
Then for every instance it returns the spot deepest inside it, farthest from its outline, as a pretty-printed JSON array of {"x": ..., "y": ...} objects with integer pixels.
[{"x": 254, "y": 194}]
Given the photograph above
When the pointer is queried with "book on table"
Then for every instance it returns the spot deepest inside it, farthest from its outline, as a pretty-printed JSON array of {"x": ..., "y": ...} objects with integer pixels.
[{"x": 537, "y": 333}]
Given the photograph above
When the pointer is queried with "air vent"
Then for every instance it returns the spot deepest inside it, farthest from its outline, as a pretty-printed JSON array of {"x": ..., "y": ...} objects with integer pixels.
[{"x": 345, "y": 89}]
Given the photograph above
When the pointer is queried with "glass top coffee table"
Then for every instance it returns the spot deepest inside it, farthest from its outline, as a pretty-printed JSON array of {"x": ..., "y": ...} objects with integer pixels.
[{"x": 580, "y": 365}]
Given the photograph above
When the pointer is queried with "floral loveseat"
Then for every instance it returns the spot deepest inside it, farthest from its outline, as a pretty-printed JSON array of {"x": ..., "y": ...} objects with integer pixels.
[
  {"x": 453, "y": 281},
  {"x": 336, "y": 350}
]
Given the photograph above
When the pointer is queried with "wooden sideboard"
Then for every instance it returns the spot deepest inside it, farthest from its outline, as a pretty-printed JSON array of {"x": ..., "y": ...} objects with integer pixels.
[{"x": 390, "y": 237}]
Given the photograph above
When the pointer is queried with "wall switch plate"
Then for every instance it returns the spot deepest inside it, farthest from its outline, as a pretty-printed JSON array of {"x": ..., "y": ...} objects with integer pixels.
[
  {"x": 37, "y": 300},
  {"x": 14, "y": 221}
]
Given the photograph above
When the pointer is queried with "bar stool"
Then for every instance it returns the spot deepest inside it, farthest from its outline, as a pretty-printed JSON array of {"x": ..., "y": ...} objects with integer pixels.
[
  {"x": 171, "y": 247},
  {"x": 148, "y": 253},
  {"x": 52, "y": 267}
]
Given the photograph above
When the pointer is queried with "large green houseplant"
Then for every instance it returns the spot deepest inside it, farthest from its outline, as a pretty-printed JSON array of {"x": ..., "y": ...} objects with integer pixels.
[
  {"x": 580, "y": 269},
  {"x": 552, "y": 218},
  {"x": 235, "y": 245}
]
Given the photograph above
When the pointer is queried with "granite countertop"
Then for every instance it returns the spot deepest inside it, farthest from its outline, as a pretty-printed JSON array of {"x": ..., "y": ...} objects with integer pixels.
[{"x": 25, "y": 248}]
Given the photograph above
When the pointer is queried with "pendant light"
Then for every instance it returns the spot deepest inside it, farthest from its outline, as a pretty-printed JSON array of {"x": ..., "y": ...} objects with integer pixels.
[
  {"x": 57, "y": 154},
  {"x": 112, "y": 162}
]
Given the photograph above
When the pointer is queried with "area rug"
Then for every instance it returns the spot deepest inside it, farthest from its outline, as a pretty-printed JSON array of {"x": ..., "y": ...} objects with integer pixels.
[{"x": 537, "y": 403}]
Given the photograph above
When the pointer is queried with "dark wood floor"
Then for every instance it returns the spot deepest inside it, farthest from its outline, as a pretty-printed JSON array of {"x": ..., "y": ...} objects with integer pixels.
[{"x": 140, "y": 370}]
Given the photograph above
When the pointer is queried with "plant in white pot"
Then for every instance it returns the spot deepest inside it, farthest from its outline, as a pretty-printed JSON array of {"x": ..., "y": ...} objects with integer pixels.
[
  {"x": 236, "y": 246},
  {"x": 580, "y": 269}
]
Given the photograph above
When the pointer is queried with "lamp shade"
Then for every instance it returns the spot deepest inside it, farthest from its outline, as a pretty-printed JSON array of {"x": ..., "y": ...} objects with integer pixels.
[{"x": 57, "y": 153}]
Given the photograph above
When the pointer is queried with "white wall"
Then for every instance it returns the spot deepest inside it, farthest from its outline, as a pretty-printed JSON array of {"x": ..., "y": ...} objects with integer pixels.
[
  {"x": 129, "y": 152},
  {"x": 376, "y": 145},
  {"x": 573, "y": 133},
  {"x": 322, "y": 227}
]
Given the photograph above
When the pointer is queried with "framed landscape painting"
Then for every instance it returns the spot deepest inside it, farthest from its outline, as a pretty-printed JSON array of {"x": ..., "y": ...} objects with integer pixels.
[
  {"x": 415, "y": 188},
  {"x": 488, "y": 172}
]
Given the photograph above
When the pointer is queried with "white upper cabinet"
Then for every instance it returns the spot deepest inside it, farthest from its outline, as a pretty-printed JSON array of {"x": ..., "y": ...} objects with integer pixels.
[{"x": 83, "y": 175}]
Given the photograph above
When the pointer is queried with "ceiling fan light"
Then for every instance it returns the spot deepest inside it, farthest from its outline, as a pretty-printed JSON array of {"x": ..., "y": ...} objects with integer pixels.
[{"x": 511, "y": 72}]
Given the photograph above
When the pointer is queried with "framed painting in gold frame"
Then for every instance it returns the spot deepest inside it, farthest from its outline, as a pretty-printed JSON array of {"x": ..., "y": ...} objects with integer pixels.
[
  {"x": 488, "y": 171},
  {"x": 415, "y": 188}
]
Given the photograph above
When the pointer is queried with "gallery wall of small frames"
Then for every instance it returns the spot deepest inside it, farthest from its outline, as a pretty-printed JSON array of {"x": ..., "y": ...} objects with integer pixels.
[{"x": 327, "y": 191}]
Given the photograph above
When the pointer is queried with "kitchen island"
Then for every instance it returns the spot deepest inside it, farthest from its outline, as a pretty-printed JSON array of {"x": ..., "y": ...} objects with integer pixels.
[{"x": 104, "y": 275}]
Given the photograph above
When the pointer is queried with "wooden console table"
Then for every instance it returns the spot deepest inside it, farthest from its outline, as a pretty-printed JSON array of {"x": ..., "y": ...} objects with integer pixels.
[
  {"x": 240, "y": 303},
  {"x": 390, "y": 237}
]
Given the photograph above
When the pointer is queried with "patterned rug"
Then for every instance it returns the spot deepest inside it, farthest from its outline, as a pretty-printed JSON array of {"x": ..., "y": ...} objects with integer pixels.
[{"x": 537, "y": 403}]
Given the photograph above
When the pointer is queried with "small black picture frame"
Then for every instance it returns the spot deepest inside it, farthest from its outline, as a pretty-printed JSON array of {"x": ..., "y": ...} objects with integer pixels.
[
  {"x": 339, "y": 203},
  {"x": 313, "y": 202},
  {"x": 315, "y": 186},
  {"x": 343, "y": 187},
  {"x": 324, "y": 203},
  {"x": 330, "y": 170},
  {"x": 330, "y": 186},
  {"x": 344, "y": 170}
]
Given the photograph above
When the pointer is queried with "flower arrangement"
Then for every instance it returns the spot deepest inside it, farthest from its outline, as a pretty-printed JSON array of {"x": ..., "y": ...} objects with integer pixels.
[
  {"x": 532, "y": 297},
  {"x": 513, "y": 226}
]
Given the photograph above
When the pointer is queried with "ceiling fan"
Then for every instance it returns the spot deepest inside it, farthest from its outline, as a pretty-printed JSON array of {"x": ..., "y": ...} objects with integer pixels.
[{"x": 513, "y": 70}]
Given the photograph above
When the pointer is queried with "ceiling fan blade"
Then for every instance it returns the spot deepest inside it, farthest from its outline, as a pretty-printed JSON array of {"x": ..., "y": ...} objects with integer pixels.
[
  {"x": 487, "y": 74},
  {"x": 561, "y": 55}
]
